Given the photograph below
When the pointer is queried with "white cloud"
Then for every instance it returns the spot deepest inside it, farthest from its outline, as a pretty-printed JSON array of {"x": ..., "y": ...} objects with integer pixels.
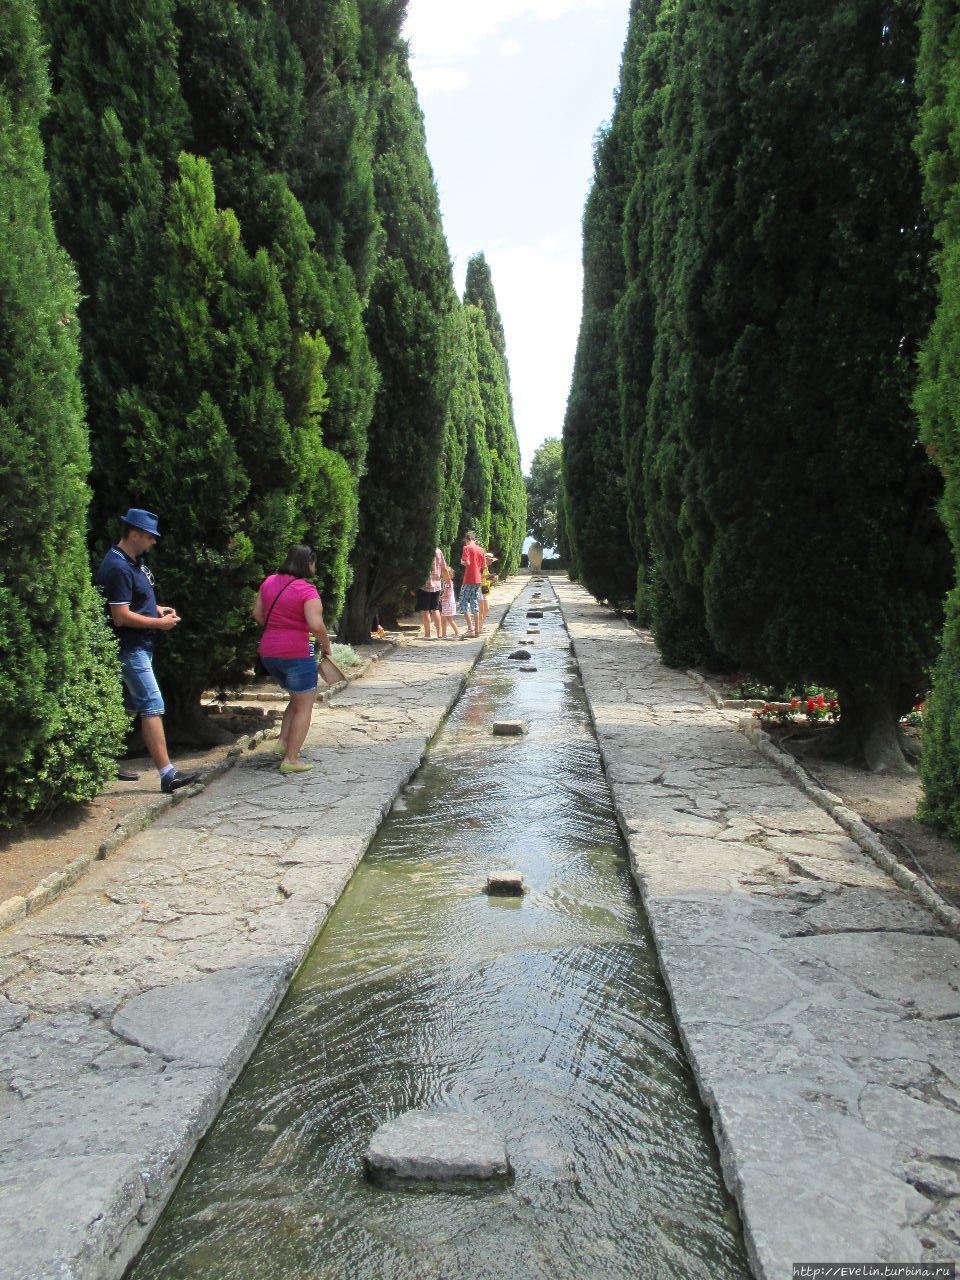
[
  {"x": 510, "y": 48},
  {"x": 440, "y": 80},
  {"x": 443, "y": 31}
]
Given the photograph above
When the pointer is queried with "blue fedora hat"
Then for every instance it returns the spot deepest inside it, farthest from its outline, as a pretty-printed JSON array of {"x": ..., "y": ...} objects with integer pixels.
[{"x": 144, "y": 520}]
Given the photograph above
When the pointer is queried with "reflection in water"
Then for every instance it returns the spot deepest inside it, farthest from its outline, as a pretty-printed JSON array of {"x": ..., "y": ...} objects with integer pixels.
[{"x": 547, "y": 1014}]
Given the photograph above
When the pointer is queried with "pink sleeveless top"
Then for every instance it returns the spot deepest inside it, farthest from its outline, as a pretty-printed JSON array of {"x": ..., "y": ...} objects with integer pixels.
[{"x": 286, "y": 634}]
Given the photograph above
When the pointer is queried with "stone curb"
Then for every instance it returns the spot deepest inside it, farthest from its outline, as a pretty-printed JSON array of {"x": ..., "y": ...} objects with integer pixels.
[
  {"x": 847, "y": 818},
  {"x": 14, "y": 909},
  {"x": 851, "y": 822}
]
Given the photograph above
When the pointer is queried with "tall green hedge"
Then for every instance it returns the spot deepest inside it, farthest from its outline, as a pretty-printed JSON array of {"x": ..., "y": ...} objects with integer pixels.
[
  {"x": 60, "y": 708},
  {"x": 593, "y": 463},
  {"x": 477, "y": 471},
  {"x": 646, "y": 92},
  {"x": 242, "y": 72},
  {"x": 412, "y": 328},
  {"x": 203, "y": 338},
  {"x": 938, "y": 393},
  {"x": 116, "y": 126},
  {"x": 461, "y": 408},
  {"x": 208, "y": 424},
  {"x": 823, "y": 556}
]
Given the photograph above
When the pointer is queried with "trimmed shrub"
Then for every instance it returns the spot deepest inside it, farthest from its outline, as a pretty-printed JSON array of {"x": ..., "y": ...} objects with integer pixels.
[{"x": 61, "y": 714}]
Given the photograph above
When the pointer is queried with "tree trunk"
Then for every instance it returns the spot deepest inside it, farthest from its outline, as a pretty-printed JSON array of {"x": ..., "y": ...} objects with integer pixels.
[
  {"x": 870, "y": 731},
  {"x": 353, "y": 626},
  {"x": 186, "y": 724}
]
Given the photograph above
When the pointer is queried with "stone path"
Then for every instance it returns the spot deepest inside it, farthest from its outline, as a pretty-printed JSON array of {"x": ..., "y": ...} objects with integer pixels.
[
  {"x": 818, "y": 1002},
  {"x": 129, "y": 1005}
]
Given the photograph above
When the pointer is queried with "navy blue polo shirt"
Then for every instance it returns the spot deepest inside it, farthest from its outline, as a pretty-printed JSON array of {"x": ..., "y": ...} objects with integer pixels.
[{"x": 125, "y": 581}]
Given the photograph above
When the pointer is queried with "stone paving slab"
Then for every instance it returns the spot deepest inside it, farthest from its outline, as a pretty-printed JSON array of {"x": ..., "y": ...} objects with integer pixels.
[
  {"x": 129, "y": 1005},
  {"x": 818, "y": 1002}
]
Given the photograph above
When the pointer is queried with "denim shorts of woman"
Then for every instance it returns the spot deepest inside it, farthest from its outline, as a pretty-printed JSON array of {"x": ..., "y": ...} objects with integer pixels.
[{"x": 296, "y": 675}]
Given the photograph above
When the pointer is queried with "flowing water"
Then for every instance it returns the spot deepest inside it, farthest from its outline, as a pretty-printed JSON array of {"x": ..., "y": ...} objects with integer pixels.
[{"x": 546, "y": 1014}]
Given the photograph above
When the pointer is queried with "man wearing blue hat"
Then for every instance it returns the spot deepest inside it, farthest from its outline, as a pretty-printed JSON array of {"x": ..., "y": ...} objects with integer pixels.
[{"x": 136, "y": 618}]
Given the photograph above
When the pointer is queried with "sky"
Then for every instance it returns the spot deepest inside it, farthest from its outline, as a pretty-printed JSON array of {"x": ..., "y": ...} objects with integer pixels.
[{"x": 513, "y": 93}]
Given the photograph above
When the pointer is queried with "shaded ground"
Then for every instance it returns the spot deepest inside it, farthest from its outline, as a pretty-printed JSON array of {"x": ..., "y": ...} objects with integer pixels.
[
  {"x": 889, "y": 805},
  {"x": 30, "y": 853}
]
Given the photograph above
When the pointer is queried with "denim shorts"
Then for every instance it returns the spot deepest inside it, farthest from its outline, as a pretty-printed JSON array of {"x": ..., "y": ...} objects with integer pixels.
[
  {"x": 296, "y": 675},
  {"x": 470, "y": 597},
  {"x": 141, "y": 693}
]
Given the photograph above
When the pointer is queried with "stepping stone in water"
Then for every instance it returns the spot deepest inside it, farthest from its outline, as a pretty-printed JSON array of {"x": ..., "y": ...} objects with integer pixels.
[
  {"x": 534, "y": 613},
  {"x": 528, "y": 666},
  {"x": 435, "y": 1146},
  {"x": 509, "y": 883},
  {"x": 520, "y": 654},
  {"x": 509, "y": 728}
]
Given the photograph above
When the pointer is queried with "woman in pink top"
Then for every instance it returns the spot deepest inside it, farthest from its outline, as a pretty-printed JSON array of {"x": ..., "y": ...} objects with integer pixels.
[
  {"x": 428, "y": 596},
  {"x": 289, "y": 609}
]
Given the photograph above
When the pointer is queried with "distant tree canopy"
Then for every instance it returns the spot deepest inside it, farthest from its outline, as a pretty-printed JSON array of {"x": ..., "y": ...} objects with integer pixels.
[
  {"x": 776, "y": 286},
  {"x": 544, "y": 485},
  {"x": 938, "y": 392},
  {"x": 61, "y": 714}
]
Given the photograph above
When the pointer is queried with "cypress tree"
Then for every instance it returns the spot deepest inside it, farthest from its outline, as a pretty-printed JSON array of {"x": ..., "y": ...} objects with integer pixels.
[
  {"x": 114, "y": 132},
  {"x": 209, "y": 425},
  {"x": 460, "y": 410},
  {"x": 478, "y": 466},
  {"x": 593, "y": 460},
  {"x": 411, "y": 326},
  {"x": 136, "y": 84},
  {"x": 815, "y": 491},
  {"x": 563, "y": 536},
  {"x": 507, "y": 519},
  {"x": 645, "y": 92},
  {"x": 939, "y": 386},
  {"x": 346, "y": 49},
  {"x": 60, "y": 708},
  {"x": 508, "y": 499},
  {"x": 242, "y": 77},
  {"x": 479, "y": 292},
  {"x": 675, "y": 590}
]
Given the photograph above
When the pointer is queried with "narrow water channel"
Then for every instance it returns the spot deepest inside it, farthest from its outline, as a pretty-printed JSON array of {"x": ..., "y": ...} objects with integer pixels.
[{"x": 546, "y": 1014}]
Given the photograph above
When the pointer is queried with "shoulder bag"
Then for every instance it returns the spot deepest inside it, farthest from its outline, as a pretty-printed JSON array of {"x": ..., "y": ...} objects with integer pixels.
[{"x": 258, "y": 668}]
